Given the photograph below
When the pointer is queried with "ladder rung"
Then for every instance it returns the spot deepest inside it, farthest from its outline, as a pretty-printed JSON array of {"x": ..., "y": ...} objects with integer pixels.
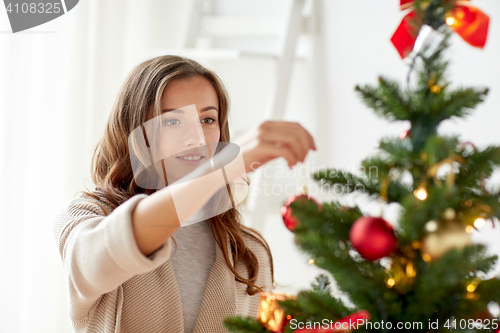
[
  {"x": 219, "y": 53},
  {"x": 242, "y": 26}
]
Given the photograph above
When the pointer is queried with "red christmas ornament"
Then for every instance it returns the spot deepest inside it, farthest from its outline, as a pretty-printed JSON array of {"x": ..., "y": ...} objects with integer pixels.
[
  {"x": 373, "y": 237},
  {"x": 286, "y": 211}
]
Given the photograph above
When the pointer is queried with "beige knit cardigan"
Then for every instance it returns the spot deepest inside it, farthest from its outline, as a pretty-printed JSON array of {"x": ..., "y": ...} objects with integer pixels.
[{"x": 113, "y": 287}]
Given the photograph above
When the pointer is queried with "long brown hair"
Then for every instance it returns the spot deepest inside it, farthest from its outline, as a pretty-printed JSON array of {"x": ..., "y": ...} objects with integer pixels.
[{"x": 138, "y": 100}]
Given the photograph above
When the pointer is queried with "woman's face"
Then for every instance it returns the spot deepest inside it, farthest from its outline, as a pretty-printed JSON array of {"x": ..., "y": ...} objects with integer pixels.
[{"x": 189, "y": 122}]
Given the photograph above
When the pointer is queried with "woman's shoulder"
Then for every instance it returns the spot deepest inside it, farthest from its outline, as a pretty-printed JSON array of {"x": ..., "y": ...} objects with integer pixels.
[
  {"x": 71, "y": 215},
  {"x": 76, "y": 210},
  {"x": 86, "y": 205},
  {"x": 83, "y": 205}
]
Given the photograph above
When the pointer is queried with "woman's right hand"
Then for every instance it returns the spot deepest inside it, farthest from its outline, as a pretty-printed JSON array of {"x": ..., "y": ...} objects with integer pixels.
[{"x": 272, "y": 139}]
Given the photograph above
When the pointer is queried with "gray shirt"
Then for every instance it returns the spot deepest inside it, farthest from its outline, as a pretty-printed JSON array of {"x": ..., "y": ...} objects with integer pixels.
[{"x": 192, "y": 263}]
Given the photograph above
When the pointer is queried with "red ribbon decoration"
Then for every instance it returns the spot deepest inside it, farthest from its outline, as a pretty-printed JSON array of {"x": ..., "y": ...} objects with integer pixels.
[
  {"x": 471, "y": 24},
  {"x": 347, "y": 322},
  {"x": 405, "y": 35},
  {"x": 468, "y": 22}
]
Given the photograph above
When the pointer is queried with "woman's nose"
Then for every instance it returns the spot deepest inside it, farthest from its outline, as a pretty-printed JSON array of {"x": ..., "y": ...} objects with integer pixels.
[{"x": 194, "y": 136}]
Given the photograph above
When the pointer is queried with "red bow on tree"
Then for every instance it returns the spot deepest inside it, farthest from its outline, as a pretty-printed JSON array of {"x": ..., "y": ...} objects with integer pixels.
[{"x": 467, "y": 21}]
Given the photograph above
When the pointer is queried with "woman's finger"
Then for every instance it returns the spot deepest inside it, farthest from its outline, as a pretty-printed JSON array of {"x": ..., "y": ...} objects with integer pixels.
[
  {"x": 295, "y": 127},
  {"x": 308, "y": 137},
  {"x": 272, "y": 152},
  {"x": 290, "y": 133},
  {"x": 282, "y": 139}
]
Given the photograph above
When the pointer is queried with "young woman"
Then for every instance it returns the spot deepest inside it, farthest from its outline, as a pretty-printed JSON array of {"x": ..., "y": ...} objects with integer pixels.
[{"x": 116, "y": 242}]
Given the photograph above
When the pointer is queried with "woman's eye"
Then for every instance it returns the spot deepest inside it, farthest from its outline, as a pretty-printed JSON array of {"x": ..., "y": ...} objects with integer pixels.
[
  {"x": 170, "y": 122},
  {"x": 211, "y": 122}
]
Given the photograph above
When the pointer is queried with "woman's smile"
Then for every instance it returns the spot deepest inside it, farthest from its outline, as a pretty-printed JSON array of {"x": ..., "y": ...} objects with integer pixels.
[{"x": 192, "y": 160}]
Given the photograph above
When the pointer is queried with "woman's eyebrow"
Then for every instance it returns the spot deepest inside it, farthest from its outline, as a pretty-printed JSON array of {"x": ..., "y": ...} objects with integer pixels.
[{"x": 207, "y": 108}]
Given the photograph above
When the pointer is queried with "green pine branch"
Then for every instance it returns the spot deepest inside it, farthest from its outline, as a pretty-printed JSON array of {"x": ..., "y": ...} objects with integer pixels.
[
  {"x": 345, "y": 182},
  {"x": 458, "y": 103},
  {"x": 438, "y": 148},
  {"x": 387, "y": 100},
  {"x": 239, "y": 324},
  {"x": 478, "y": 165},
  {"x": 489, "y": 290}
]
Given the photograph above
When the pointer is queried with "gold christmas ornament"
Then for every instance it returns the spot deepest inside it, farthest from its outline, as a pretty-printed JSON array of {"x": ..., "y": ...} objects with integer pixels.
[
  {"x": 269, "y": 315},
  {"x": 435, "y": 89},
  {"x": 450, "y": 235}
]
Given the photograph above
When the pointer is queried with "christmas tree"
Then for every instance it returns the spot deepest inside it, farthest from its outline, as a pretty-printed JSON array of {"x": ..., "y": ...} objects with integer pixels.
[{"x": 425, "y": 273}]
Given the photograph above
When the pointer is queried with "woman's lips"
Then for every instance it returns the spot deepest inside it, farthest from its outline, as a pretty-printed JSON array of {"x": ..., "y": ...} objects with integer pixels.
[{"x": 192, "y": 162}]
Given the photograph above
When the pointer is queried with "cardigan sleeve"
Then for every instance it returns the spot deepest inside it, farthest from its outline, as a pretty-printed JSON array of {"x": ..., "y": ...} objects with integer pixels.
[{"x": 99, "y": 252}]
